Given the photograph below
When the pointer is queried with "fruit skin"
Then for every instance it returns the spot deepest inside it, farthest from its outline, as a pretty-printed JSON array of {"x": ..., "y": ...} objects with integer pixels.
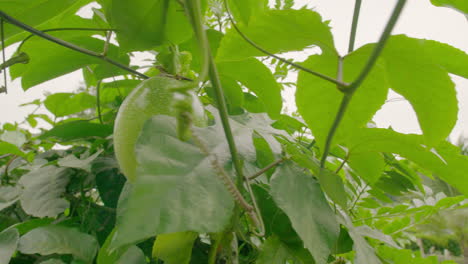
[{"x": 151, "y": 97}]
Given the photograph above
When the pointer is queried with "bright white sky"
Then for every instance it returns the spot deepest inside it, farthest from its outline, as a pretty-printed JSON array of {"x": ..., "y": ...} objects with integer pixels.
[{"x": 419, "y": 19}]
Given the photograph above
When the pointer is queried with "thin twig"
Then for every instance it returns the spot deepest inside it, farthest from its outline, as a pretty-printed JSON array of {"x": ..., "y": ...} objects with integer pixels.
[
  {"x": 98, "y": 101},
  {"x": 69, "y": 45},
  {"x": 342, "y": 164},
  {"x": 300, "y": 67},
  {"x": 63, "y": 29},
  {"x": 357, "y": 198},
  {"x": 348, "y": 93},
  {"x": 2, "y": 29},
  {"x": 352, "y": 37},
  {"x": 267, "y": 168}
]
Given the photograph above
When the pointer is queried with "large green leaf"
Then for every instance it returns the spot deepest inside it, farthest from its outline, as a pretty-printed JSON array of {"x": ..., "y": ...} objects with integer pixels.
[
  {"x": 36, "y": 12},
  {"x": 55, "y": 239},
  {"x": 257, "y": 78},
  {"x": 318, "y": 100},
  {"x": 244, "y": 10},
  {"x": 176, "y": 188},
  {"x": 8, "y": 243},
  {"x": 301, "y": 198},
  {"x": 63, "y": 104},
  {"x": 174, "y": 248},
  {"x": 459, "y": 5},
  {"x": 418, "y": 71},
  {"x": 58, "y": 60},
  {"x": 277, "y": 31},
  {"x": 145, "y": 24},
  {"x": 78, "y": 130},
  {"x": 42, "y": 191}
]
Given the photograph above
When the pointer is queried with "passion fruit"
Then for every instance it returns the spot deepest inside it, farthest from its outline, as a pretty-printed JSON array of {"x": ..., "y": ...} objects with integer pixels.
[{"x": 152, "y": 97}]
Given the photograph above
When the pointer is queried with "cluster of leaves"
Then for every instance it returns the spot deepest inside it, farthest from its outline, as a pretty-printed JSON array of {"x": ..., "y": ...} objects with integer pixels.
[{"x": 375, "y": 193}]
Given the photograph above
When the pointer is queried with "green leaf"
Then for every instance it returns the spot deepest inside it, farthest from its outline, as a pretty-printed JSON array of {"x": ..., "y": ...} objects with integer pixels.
[
  {"x": 273, "y": 252},
  {"x": 214, "y": 39},
  {"x": 84, "y": 163},
  {"x": 277, "y": 31},
  {"x": 36, "y": 12},
  {"x": 257, "y": 78},
  {"x": 55, "y": 239},
  {"x": 369, "y": 166},
  {"x": 174, "y": 248},
  {"x": 8, "y": 243},
  {"x": 43, "y": 189},
  {"x": 44, "y": 66},
  {"x": 77, "y": 130},
  {"x": 145, "y": 24},
  {"x": 8, "y": 196},
  {"x": 421, "y": 76},
  {"x": 174, "y": 180},
  {"x": 333, "y": 186},
  {"x": 8, "y": 148},
  {"x": 301, "y": 198},
  {"x": 276, "y": 221},
  {"x": 244, "y": 10},
  {"x": 318, "y": 100},
  {"x": 63, "y": 104},
  {"x": 459, "y": 5},
  {"x": 133, "y": 255}
]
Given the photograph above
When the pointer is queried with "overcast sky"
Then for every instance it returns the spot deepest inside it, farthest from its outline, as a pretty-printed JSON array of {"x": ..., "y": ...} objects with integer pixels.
[{"x": 419, "y": 19}]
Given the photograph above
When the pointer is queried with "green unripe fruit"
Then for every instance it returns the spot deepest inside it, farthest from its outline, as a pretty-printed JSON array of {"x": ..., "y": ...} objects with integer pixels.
[{"x": 151, "y": 97}]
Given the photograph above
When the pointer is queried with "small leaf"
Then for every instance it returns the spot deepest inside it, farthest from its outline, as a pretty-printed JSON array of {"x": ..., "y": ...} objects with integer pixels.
[
  {"x": 174, "y": 248},
  {"x": 277, "y": 31},
  {"x": 301, "y": 198},
  {"x": 71, "y": 161},
  {"x": 55, "y": 239},
  {"x": 8, "y": 148},
  {"x": 254, "y": 75},
  {"x": 42, "y": 192},
  {"x": 63, "y": 104},
  {"x": 8, "y": 243},
  {"x": 77, "y": 130}
]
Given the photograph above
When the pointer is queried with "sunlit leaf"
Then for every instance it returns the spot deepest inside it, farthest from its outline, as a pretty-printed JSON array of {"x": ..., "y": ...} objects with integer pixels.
[
  {"x": 277, "y": 31},
  {"x": 174, "y": 248},
  {"x": 63, "y": 104}
]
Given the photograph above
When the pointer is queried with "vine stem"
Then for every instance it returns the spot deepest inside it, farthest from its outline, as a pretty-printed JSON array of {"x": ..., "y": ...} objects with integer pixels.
[
  {"x": 349, "y": 91},
  {"x": 268, "y": 167},
  {"x": 69, "y": 45},
  {"x": 295, "y": 65},
  {"x": 352, "y": 37}
]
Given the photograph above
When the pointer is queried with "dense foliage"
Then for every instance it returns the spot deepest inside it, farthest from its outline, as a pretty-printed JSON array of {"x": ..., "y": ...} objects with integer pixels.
[{"x": 237, "y": 180}]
